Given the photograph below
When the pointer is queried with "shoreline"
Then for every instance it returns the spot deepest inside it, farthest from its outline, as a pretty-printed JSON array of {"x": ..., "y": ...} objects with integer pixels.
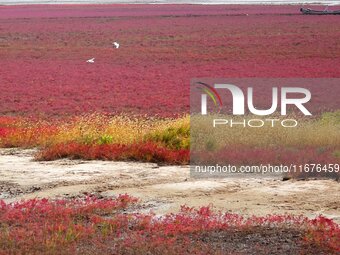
[{"x": 159, "y": 2}]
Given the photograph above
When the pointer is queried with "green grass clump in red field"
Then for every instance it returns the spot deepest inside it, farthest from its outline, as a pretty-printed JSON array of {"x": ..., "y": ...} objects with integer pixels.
[{"x": 89, "y": 225}]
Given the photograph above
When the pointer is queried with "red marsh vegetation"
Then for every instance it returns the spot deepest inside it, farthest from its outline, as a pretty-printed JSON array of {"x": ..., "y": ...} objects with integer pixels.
[
  {"x": 43, "y": 53},
  {"x": 89, "y": 225}
]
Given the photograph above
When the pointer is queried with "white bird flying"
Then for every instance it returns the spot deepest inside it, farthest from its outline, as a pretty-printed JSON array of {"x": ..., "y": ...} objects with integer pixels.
[
  {"x": 116, "y": 45},
  {"x": 90, "y": 60}
]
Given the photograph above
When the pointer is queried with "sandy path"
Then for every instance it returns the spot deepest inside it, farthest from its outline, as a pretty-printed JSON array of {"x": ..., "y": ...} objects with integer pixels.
[{"x": 163, "y": 188}]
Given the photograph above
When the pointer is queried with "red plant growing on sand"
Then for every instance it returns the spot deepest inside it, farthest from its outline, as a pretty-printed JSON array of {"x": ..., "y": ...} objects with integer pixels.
[
  {"x": 323, "y": 231},
  {"x": 147, "y": 152},
  {"x": 90, "y": 226},
  {"x": 3, "y": 132}
]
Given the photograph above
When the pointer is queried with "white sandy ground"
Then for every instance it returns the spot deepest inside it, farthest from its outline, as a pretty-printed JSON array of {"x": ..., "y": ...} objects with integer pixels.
[{"x": 163, "y": 188}]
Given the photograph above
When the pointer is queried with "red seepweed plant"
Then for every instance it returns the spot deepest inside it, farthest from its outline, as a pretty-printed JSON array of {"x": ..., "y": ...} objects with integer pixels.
[
  {"x": 151, "y": 71},
  {"x": 145, "y": 152},
  {"x": 90, "y": 225}
]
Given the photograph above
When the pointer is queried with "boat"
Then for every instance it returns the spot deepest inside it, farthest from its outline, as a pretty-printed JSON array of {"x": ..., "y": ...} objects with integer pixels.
[{"x": 315, "y": 12}]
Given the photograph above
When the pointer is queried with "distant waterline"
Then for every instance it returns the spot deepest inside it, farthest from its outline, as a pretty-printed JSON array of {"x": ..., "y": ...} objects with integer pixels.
[{"x": 17, "y": 2}]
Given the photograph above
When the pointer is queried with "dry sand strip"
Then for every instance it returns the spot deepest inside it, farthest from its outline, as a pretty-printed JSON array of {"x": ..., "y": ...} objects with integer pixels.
[{"x": 163, "y": 189}]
